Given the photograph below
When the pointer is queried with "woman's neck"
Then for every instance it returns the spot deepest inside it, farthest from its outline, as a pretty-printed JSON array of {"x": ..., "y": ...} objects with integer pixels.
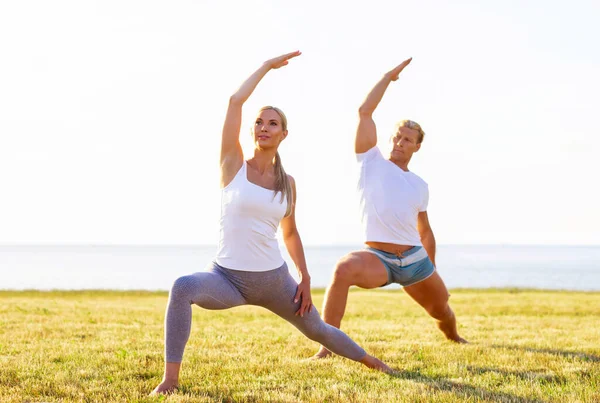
[{"x": 262, "y": 161}]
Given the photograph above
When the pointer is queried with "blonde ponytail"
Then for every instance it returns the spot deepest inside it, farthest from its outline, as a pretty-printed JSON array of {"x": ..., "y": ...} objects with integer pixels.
[
  {"x": 283, "y": 185},
  {"x": 282, "y": 182}
]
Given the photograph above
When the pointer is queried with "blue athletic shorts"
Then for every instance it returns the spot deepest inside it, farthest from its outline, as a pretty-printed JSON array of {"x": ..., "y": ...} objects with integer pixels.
[{"x": 413, "y": 266}]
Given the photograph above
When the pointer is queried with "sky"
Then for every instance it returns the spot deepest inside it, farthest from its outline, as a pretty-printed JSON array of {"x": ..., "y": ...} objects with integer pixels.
[{"x": 111, "y": 114}]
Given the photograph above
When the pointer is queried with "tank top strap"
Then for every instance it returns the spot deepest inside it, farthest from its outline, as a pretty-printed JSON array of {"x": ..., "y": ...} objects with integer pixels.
[
  {"x": 239, "y": 176},
  {"x": 241, "y": 173},
  {"x": 243, "y": 170}
]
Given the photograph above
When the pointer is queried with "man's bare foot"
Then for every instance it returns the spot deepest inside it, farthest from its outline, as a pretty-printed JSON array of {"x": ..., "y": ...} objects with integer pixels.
[
  {"x": 449, "y": 330},
  {"x": 376, "y": 364},
  {"x": 459, "y": 340},
  {"x": 448, "y": 327},
  {"x": 165, "y": 388},
  {"x": 322, "y": 353}
]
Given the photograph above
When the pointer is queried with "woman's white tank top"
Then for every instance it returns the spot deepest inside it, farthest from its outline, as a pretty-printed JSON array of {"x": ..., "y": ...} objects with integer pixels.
[{"x": 250, "y": 216}]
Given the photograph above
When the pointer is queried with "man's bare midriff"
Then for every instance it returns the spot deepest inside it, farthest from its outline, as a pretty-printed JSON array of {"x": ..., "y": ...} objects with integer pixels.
[{"x": 390, "y": 247}]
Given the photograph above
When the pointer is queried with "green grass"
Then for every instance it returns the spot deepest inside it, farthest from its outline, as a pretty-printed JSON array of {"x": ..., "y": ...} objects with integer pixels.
[{"x": 526, "y": 346}]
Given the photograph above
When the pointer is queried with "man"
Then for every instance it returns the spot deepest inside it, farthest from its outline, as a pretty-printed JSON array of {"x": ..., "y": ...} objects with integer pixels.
[{"x": 393, "y": 203}]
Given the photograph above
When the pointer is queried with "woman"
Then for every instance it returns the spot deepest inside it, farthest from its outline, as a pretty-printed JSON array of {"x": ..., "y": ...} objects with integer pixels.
[
  {"x": 400, "y": 246},
  {"x": 257, "y": 197}
]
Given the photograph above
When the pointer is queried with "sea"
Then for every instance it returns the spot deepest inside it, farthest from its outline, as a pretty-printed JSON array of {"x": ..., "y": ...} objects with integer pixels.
[{"x": 152, "y": 267}]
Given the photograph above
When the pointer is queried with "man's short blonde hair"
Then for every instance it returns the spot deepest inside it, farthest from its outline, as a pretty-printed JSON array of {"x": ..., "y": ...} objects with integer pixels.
[{"x": 411, "y": 125}]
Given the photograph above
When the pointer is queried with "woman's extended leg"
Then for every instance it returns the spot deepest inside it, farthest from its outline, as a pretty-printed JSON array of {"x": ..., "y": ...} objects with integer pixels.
[{"x": 311, "y": 325}]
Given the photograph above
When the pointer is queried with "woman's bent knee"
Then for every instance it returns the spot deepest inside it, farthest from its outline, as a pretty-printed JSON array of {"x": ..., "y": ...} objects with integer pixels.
[{"x": 182, "y": 287}]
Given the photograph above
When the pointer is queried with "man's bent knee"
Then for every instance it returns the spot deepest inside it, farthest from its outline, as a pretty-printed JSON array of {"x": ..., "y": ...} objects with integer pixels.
[{"x": 345, "y": 272}]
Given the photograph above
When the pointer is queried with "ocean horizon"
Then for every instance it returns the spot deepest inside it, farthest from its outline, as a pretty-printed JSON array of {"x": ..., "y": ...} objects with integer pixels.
[{"x": 155, "y": 267}]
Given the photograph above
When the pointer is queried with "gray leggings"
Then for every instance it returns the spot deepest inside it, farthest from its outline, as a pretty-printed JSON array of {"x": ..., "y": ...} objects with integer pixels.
[{"x": 221, "y": 288}]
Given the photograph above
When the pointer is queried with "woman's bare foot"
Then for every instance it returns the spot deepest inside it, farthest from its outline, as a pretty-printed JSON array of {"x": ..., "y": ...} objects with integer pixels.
[
  {"x": 165, "y": 388},
  {"x": 170, "y": 379},
  {"x": 377, "y": 364},
  {"x": 322, "y": 353}
]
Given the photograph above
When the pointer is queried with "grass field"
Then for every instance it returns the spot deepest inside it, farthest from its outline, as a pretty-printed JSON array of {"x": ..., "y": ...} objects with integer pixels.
[{"x": 526, "y": 346}]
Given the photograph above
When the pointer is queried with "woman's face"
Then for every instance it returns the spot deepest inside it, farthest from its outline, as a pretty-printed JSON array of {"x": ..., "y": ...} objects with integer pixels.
[{"x": 268, "y": 131}]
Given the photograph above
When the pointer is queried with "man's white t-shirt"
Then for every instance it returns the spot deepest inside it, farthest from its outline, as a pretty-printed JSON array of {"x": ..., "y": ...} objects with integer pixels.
[{"x": 390, "y": 200}]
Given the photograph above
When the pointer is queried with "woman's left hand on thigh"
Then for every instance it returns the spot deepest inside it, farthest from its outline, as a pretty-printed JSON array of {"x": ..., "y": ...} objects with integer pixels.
[{"x": 303, "y": 295}]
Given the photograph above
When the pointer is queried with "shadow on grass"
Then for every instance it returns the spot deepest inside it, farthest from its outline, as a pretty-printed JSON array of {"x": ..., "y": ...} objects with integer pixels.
[
  {"x": 562, "y": 353},
  {"x": 462, "y": 390},
  {"x": 223, "y": 396},
  {"x": 524, "y": 375}
]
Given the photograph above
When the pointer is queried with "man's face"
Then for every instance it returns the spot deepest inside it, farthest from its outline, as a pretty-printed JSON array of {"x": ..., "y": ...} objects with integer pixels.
[{"x": 404, "y": 143}]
